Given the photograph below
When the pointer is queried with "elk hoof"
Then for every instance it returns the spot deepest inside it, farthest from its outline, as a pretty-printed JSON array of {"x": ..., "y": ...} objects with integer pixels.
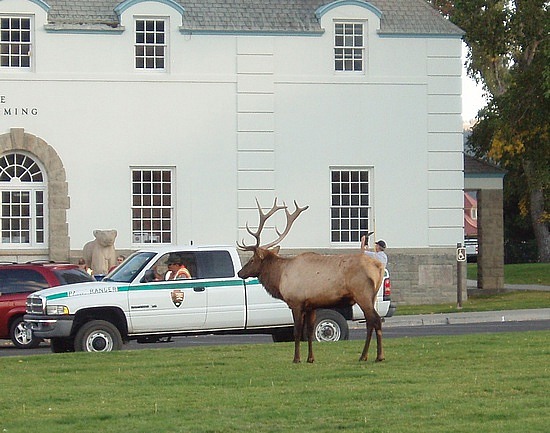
[
  {"x": 362, "y": 358},
  {"x": 379, "y": 359},
  {"x": 311, "y": 360},
  {"x": 296, "y": 361}
]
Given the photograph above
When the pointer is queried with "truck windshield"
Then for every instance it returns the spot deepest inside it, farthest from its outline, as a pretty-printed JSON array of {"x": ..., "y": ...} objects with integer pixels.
[{"x": 130, "y": 268}]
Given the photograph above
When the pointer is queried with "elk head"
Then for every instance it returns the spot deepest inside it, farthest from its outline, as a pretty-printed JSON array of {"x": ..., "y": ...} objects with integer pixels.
[{"x": 261, "y": 253}]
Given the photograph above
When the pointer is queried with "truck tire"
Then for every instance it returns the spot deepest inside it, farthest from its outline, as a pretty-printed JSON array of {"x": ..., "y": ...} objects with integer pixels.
[
  {"x": 20, "y": 337},
  {"x": 98, "y": 336},
  {"x": 61, "y": 345},
  {"x": 330, "y": 326}
]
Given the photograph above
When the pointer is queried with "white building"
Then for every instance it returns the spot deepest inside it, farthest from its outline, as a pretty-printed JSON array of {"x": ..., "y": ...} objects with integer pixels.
[{"x": 164, "y": 119}]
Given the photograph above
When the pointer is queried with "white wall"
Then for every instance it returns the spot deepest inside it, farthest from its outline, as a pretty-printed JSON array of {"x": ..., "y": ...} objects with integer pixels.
[{"x": 246, "y": 116}]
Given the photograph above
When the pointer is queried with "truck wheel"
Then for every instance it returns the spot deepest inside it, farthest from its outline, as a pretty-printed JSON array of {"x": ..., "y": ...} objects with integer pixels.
[
  {"x": 98, "y": 336},
  {"x": 330, "y": 326},
  {"x": 22, "y": 338},
  {"x": 61, "y": 345}
]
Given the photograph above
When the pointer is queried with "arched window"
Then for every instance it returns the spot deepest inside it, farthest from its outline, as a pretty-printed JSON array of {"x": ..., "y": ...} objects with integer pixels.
[{"x": 23, "y": 202}]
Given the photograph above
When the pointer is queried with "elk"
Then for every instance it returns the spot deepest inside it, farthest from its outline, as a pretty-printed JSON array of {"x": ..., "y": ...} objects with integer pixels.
[{"x": 309, "y": 281}]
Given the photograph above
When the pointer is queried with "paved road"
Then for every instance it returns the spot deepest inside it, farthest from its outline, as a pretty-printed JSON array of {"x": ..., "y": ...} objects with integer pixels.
[{"x": 399, "y": 326}]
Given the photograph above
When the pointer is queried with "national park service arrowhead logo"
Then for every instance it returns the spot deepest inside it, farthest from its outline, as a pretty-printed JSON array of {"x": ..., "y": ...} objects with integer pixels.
[{"x": 177, "y": 297}]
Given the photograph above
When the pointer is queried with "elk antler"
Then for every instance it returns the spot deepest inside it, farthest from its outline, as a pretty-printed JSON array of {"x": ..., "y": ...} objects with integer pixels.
[{"x": 290, "y": 218}]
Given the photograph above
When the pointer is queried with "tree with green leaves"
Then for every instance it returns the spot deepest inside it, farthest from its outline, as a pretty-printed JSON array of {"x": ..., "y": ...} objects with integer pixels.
[{"x": 509, "y": 54}]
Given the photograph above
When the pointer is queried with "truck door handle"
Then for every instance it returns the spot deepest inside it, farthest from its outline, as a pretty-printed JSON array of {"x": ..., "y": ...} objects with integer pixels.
[{"x": 199, "y": 289}]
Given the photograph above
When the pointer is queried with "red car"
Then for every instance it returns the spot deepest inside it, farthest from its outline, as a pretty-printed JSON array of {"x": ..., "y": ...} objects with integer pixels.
[{"x": 16, "y": 282}]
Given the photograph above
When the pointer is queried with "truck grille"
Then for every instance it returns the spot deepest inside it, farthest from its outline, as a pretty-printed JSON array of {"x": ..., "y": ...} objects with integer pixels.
[{"x": 34, "y": 305}]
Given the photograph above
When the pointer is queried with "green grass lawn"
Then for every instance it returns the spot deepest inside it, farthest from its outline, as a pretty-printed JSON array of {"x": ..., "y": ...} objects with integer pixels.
[
  {"x": 525, "y": 273},
  {"x": 482, "y": 383},
  {"x": 512, "y": 300}
]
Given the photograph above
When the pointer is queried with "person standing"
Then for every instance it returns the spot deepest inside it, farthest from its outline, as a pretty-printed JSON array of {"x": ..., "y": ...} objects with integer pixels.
[
  {"x": 378, "y": 252},
  {"x": 84, "y": 267},
  {"x": 119, "y": 261}
]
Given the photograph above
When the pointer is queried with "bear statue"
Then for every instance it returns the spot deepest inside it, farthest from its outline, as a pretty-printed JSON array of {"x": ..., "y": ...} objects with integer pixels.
[{"x": 100, "y": 253}]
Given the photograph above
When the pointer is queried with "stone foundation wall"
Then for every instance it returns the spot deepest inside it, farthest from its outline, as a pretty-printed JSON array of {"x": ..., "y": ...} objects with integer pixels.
[
  {"x": 424, "y": 276},
  {"x": 490, "y": 258},
  {"x": 418, "y": 276},
  {"x": 24, "y": 255}
]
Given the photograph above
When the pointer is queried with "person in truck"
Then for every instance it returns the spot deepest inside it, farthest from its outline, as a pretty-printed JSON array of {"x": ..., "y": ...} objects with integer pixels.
[{"x": 176, "y": 268}]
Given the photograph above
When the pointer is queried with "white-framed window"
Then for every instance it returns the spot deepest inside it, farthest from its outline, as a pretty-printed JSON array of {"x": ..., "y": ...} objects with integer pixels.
[
  {"x": 151, "y": 43},
  {"x": 351, "y": 204},
  {"x": 23, "y": 197},
  {"x": 152, "y": 205},
  {"x": 349, "y": 46},
  {"x": 15, "y": 42}
]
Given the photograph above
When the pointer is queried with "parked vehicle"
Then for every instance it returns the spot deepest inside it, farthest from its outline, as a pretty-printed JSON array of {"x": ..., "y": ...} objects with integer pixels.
[
  {"x": 471, "y": 249},
  {"x": 135, "y": 302},
  {"x": 16, "y": 282}
]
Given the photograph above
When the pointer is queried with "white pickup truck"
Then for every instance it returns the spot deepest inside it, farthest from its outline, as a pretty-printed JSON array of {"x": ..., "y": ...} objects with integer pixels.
[{"x": 134, "y": 303}]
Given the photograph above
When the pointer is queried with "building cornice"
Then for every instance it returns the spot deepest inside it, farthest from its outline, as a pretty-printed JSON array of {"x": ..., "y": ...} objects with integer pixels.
[
  {"x": 122, "y": 7},
  {"x": 339, "y": 3}
]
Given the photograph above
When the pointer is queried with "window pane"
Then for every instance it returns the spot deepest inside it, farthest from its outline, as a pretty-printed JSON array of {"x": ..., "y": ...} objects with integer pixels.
[
  {"x": 151, "y": 206},
  {"x": 349, "y": 211},
  {"x": 150, "y": 50},
  {"x": 15, "y": 42},
  {"x": 350, "y": 36},
  {"x": 23, "y": 210},
  {"x": 22, "y": 281}
]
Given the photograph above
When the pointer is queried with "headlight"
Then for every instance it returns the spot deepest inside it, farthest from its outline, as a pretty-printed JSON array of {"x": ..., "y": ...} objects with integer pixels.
[{"x": 56, "y": 310}]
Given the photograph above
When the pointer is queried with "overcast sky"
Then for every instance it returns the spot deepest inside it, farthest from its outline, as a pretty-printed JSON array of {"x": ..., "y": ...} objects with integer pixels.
[{"x": 472, "y": 98}]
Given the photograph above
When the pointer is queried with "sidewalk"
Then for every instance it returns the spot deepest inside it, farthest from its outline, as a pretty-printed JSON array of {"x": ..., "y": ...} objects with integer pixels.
[
  {"x": 474, "y": 317},
  {"x": 472, "y": 284}
]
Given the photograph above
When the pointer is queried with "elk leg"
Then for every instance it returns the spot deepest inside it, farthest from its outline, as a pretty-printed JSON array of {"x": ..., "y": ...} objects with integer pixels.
[
  {"x": 369, "y": 312},
  {"x": 374, "y": 323},
  {"x": 379, "y": 348},
  {"x": 310, "y": 323},
  {"x": 299, "y": 323},
  {"x": 365, "y": 353}
]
